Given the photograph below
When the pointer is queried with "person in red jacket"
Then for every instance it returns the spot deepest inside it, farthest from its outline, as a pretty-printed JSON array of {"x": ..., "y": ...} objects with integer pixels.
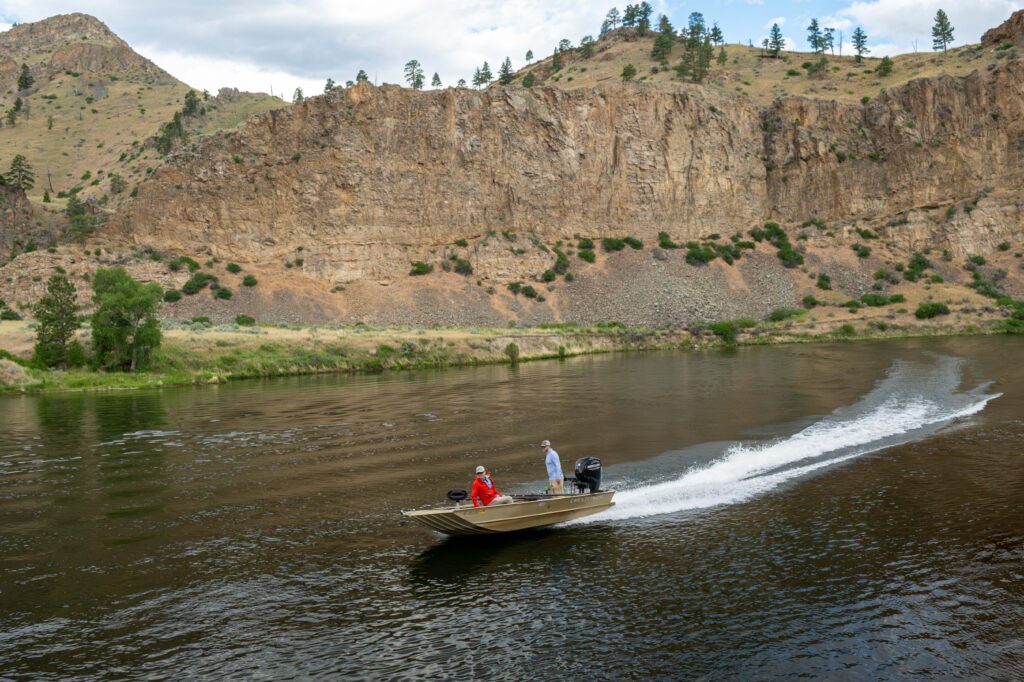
[{"x": 484, "y": 492}]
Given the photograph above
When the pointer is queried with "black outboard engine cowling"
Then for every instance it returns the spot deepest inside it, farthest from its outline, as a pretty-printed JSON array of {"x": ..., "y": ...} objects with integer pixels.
[{"x": 588, "y": 473}]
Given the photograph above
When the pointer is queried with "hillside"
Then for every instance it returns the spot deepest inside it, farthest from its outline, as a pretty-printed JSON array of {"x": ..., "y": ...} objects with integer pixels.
[
  {"x": 754, "y": 74},
  {"x": 93, "y": 105},
  {"x": 332, "y": 205}
]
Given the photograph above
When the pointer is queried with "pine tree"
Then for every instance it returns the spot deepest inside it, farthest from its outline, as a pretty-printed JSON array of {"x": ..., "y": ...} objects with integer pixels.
[
  {"x": 564, "y": 45},
  {"x": 414, "y": 74},
  {"x": 21, "y": 175},
  {"x": 329, "y": 85},
  {"x": 643, "y": 17},
  {"x": 435, "y": 82},
  {"x": 722, "y": 57},
  {"x": 478, "y": 78},
  {"x": 56, "y": 322},
  {"x": 884, "y": 67},
  {"x": 716, "y": 34},
  {"x": 556, "y": 60},
  {"x": 814, "y": 37},
  {"x": 860, "y": 43},
  {"x": 298, "y": 96},
  {"x": 505, "y": 72},
  {"x": 665, "y": 27},
  {"x": 461, "y": 83},
  {"x": 829, "y": 40},
  {"x": 942, "y": 31},
  {"x": 628, "y": 72},
  {"x": 529, "y": 56},
  {"x": 587, "y": 47},
  {"x": 25, "y": 80},
  {"x": 613, "y": 18},
  {"x": 485, "y": 73},
  {"x": 361, "y": 77},
  {"x": 629, "y": 16},
  {"x": 662, "y": 46},
  {"x": 528, "y": 80},
  {"x": 775, "y": 41},
  {"x": 191, "y": 107}
]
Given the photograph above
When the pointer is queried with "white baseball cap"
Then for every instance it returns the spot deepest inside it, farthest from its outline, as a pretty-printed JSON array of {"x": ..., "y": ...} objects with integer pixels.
[
  {"x": 480, "y": 470},
  {"x": 545, "y": 443}
]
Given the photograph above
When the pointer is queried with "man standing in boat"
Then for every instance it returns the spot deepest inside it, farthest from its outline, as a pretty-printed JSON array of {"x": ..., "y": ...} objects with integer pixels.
[
  {"x": 554, "y": 466},
  {"x": 484, "y": 492}
]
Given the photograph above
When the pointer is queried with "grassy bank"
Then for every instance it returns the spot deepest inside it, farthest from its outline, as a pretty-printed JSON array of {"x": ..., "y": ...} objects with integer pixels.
[{"x": 195, "y": 354}]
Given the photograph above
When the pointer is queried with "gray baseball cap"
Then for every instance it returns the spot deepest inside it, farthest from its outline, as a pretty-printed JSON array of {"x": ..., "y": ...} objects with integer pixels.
[{"x": 480, "y": 470}]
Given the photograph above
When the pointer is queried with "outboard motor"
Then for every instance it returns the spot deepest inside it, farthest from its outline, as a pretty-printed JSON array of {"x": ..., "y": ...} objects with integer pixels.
[{"x": 588, "y": 473}]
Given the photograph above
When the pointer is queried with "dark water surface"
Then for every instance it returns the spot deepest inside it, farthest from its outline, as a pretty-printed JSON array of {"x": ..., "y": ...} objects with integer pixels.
[{"x": 829, "y": 512}]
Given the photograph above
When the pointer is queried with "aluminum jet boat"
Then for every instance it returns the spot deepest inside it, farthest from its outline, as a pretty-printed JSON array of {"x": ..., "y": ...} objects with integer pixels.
[{"x": 525, "y": 511}]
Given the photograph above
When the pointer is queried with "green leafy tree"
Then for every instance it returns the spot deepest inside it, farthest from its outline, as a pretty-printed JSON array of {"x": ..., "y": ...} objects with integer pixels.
[
  {"x": 414, "y": 74},
  {"x": 461, "y": 83},
  {"x": 628, "y": 72},
  {"x": 56, "y": 322},
  {"x": 884, "y": 67},
  {"x": 814, "y": 37},
  {"x": 775, "y": 41},
  {"x": 529, "y": 56},
  {"x": 942, "y": 31},
  {"x": 21, "y": 174},
  {"x": 435, "y": 82},
  {"x": 12, "y": 117},
  {"x": 612, "y": 19},
  {"x": 25, "y": 80},
  {"x": 361, "y": 77},
  {"x": 125, "y": 330},
  {"x": 860, "y": 43},
  {"x": 505, "y": 72}
]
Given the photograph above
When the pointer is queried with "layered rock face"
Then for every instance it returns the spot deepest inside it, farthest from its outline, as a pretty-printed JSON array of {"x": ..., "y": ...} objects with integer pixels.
[{"x": 375, "y": 177}]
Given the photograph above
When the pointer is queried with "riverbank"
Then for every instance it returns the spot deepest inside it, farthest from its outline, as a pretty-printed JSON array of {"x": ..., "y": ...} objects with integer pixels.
[{"x": 203, "y": 354}]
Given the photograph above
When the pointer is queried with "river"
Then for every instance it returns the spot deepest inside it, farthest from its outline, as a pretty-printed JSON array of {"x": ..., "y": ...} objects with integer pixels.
[{"x": 848, "y": 511}]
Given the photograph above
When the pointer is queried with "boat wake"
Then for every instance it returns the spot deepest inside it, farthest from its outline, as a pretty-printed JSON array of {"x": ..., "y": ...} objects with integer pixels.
[{"x": 912, "y": 402}]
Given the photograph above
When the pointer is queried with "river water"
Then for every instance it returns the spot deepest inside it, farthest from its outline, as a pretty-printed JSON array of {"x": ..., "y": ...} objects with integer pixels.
[{"x": 828, "y": 511}]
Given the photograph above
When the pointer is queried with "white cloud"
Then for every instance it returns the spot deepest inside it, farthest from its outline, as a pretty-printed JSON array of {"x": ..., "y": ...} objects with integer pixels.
[
  {"x": 781, "y": 21},
  {"x": 209, "y": 44},
  {"x": 901, "y": 22}
]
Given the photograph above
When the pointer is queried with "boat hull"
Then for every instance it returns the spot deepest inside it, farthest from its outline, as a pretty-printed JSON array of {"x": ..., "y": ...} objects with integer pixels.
[{"x": 520, "y": 515}]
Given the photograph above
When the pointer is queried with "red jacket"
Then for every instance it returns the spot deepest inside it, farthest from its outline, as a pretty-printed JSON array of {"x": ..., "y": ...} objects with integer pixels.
[{"x": 482, "y": 492}]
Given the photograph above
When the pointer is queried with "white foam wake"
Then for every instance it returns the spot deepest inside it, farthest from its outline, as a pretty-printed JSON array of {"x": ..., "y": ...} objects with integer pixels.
[{"x": 745, "y": 471}]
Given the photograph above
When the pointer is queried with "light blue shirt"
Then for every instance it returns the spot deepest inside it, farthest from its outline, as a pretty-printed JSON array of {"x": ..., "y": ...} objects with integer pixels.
[{"x": 554, "y": 466}]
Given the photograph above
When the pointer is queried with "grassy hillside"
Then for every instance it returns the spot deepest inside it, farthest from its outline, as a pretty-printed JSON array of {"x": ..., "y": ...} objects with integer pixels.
[
  {"x": 753, "y": 73},
  {"x": 80, "y": 124}
]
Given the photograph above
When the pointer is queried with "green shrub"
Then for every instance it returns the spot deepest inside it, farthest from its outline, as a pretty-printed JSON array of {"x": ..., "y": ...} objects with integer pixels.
[
  {"x": 587, "y": 255},
  {"x": 463, "y": 267},
  {"x": 1005, "y": 246},
  {"x": 245, "y": 320},
  {"x": 665, "y": 242},
  {"x": 976, "y": 260},
  {"x": 561, "y": 262},
  {"x": 814, "y": 221},
  {"x": 727, "y": 329},
  {"x": 897, "y": 298},
  {"x": 461, "y": 242},
  {"x": 548, "y": 276},
  {"x": 8, "y": 314},
  {"x": 585, "y": 244},
  {"x": 824, "y": 282},
  {"x": 809, "y": 301},
  {"x": 569, "y": 277},
  {"x": 203, "y": 320},
  {"x": 176, "y": 264},
  {"x": 529, "y": 292},
  {"x": 612, "y": 244},
  {"x": 790, "y": 257},
  {"x": 936, "y": 279},
  {"x": 512, "y": 352},
  {"x": 249, "y": 281},
  {"x": 874, "y": 300},
  {"x": 699, "y": 254},
  {"x": 926, "y": 311},
  {"x": 515, "y": 287},
  {"x": 783, "y": 314},
  {"x": 916, "y": 267},
  {"x": 633, "y": 243},
  {"x": 222, "y": 293},
  {"x": 846, "y": 330},
  {"x": 234, "y": 268},
  {"x": 420, "y": 268},
  {"x": 866, "y": 234},
  {"x": 197, "y": 283},
  {"x": 172, "y": 295},
  {"x": 861, "y": 250}
]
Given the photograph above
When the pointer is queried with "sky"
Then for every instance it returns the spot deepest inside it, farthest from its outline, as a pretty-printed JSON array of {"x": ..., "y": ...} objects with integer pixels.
[{"x": 279, "y": 45}]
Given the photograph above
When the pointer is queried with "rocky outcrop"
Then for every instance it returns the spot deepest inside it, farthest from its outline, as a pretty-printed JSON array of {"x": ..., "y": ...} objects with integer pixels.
[{"x": 1010, "y": 31}]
